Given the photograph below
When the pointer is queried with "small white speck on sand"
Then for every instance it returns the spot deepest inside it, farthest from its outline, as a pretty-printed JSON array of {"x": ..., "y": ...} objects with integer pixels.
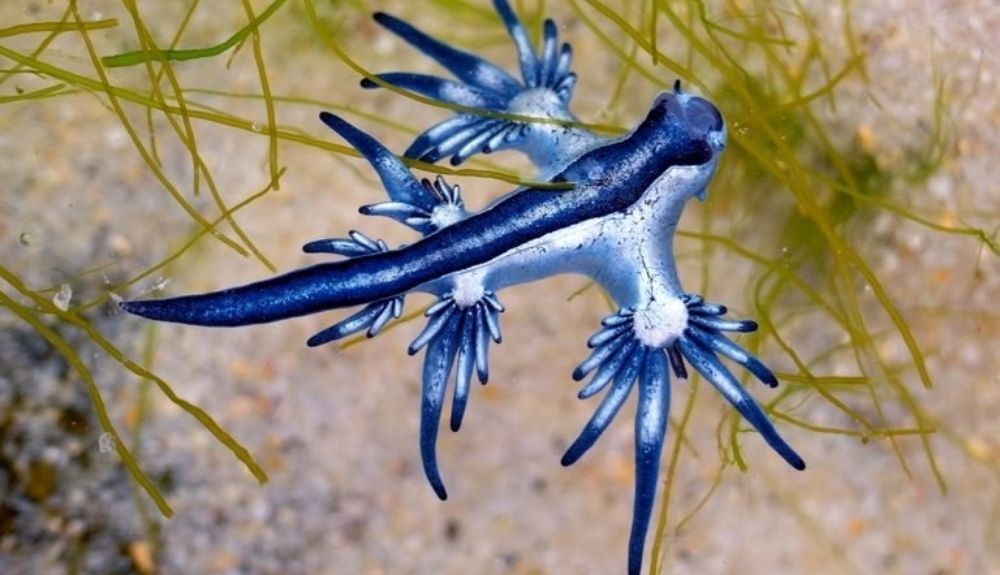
[
  {"x": 106, "y": 443},
  {"x": 62, "y": 298}
]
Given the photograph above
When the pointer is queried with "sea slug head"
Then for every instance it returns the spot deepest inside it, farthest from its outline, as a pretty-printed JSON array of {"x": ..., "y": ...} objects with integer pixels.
[
  {"x": 677, "y": 145},
  {"x": 694, "y": 133}
]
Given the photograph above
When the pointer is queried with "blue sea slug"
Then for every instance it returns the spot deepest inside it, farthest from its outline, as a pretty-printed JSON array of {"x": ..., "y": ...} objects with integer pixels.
[{"x": 616, "y": 226}]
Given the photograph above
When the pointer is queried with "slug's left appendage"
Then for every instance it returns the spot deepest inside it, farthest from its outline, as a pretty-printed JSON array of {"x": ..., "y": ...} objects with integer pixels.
[
  {"x": 487, "y": 93},
  {"x": 457, "y": 336},
  {"x": 627, "y": 349}
]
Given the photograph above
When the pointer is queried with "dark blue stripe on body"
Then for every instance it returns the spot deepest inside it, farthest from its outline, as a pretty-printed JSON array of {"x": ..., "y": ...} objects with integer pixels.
[{"x": 609, "y": 179}]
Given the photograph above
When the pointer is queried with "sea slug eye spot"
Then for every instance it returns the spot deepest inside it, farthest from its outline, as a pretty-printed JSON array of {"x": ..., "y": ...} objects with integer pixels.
[{"x": 661, "y": 322}]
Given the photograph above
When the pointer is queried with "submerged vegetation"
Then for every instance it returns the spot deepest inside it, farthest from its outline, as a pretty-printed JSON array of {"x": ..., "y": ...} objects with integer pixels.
[{"x": 805, "y": 169}]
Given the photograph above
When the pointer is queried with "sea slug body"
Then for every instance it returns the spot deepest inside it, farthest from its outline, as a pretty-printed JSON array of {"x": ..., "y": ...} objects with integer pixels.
[{"x": 615, "y": 226}]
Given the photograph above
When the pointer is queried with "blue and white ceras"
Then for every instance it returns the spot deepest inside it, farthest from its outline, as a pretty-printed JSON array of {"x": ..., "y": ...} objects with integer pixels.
[
  {"x": 492, "y": 100},
  {"x": 616, "y": 225}
]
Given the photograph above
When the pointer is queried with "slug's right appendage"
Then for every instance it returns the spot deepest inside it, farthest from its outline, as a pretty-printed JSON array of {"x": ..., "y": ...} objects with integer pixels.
[
  {"x": 457, "y": 336},
  {"x": 643, "y": 345},
  {"x": 619, "y": 360}
]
